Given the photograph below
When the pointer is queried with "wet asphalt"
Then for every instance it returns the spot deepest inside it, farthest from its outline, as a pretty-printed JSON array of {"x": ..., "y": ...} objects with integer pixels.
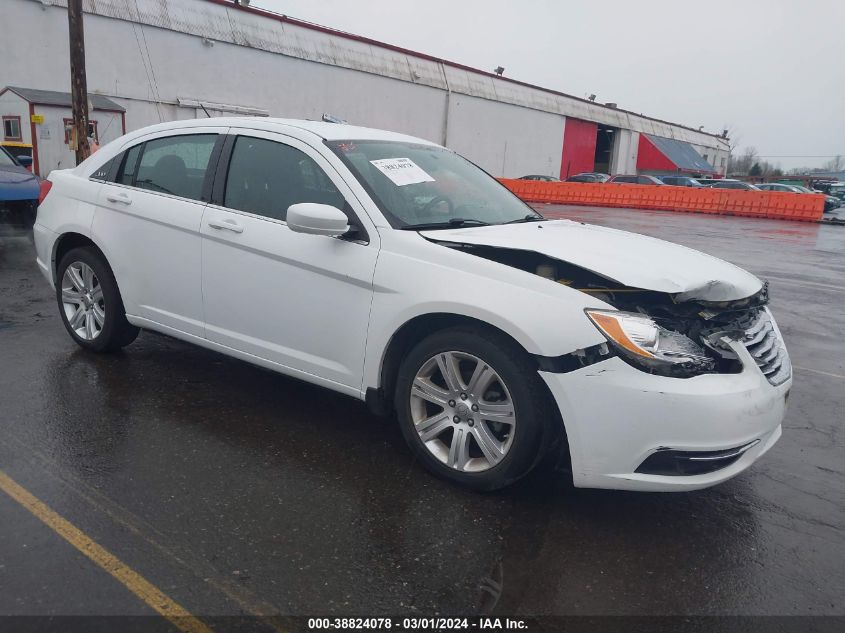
[{"x": 238, "y": 491}]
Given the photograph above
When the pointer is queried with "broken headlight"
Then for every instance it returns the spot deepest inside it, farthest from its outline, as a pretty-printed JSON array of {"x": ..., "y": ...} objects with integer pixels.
[{"x": 648, "y": 346}]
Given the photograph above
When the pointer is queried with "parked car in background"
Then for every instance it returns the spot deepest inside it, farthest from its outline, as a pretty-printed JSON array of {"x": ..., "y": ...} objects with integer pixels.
[
  {"x": 393, "y": 270},
  {"x": 836, "y": 189},
  {"x": 591, "y": 176},
  {"x": 539, "y": 177},
  {"x": 18, "y": 150},
  {"x": 779, "y": 186},
  {"x": 834, "y": 193},
  {"x": 828, "y": 187},
  {"x": 680, "y": 181},
  {"x": 831, "y": 202},
  {"x": 626, "y": 179},
  {"x": 18, "y": 190},
  {"x": 707, "y": 182},
  {"x": 730, "y": 183}
]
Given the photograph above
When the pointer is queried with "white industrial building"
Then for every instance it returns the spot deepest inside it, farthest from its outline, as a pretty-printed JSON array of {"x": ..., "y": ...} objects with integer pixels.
[{"x": 180, "y": 59}]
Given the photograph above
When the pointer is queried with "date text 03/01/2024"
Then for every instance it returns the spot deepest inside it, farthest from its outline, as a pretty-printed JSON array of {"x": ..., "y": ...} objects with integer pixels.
[{"x": 418, "y": 623}]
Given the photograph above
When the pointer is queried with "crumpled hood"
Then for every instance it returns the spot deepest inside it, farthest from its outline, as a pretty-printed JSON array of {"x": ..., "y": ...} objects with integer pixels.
[
  {"x": 17, "y": 183},
  {"x": 626, "y": 258}
]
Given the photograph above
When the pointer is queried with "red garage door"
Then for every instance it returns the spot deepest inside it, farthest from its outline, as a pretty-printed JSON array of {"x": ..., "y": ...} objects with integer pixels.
[{"x": 579, "y": 147}]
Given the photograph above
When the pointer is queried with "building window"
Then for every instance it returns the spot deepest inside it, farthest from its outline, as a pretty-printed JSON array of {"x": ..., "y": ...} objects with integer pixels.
[
  {"x": 12, "y": 128},
  {"x": 92, "y": 131},
  {"x": 705, "y": 158}
]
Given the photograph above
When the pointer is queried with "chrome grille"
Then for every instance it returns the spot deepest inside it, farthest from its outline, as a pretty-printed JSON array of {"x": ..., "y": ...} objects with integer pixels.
[{"x": 765, "y": 344}]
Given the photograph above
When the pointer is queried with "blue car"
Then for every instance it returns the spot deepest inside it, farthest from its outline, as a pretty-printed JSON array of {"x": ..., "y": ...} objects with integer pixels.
[{"x": 18, "y": 191}]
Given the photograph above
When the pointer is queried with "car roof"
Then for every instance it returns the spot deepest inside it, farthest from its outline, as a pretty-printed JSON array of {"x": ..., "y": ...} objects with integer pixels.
[
  {"x": 324, "y": 130},
  {"x": 297, "y": 128}
]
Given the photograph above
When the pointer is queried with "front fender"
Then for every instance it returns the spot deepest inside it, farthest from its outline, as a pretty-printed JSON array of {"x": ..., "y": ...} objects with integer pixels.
[{"x": 415, "y": 277}]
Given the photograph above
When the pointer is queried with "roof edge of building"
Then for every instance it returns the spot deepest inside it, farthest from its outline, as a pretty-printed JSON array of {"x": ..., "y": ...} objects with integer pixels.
[
  {"x": 106, "y": 103},
  {"x": 406, "y": 51}
]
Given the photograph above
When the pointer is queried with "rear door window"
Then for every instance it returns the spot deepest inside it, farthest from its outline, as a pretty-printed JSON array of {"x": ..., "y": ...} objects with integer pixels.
[
  {"x": 104, "y": 173},
  {"x": 126, "y": 173},
  {"x": 175, "y": 165}
]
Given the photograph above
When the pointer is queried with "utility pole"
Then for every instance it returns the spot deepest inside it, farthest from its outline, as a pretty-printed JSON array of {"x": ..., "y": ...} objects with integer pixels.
[{"x": 78, "y": 82}]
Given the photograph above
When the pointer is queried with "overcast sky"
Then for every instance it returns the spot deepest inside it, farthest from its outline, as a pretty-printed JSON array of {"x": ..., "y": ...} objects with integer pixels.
[{"x": 773, "y": 71}]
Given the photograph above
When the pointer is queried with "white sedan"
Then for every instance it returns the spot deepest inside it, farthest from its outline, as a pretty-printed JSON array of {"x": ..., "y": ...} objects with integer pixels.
[{"x": 391, "y": 269}]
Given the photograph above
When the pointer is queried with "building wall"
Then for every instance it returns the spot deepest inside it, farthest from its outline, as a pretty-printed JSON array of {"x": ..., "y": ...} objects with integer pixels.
[
  {"x": 624, "y": 152},
  {"x": 148, "y": 55},
  {"x": 494, "y": 136},
  {"x": 53, "y": 152}
]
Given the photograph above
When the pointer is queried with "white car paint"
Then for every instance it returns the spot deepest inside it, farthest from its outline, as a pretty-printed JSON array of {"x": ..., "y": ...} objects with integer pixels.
[
  {"x": 634, "y": 260},
  {"x": 325, "y": 310}
]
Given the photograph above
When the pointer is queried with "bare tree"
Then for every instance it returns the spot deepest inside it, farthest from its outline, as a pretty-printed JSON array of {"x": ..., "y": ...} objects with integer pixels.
[
  {"x": 730, "y": 134},
  {"x": 835, "y": 164},
  {"x": 742, "y": 164}
]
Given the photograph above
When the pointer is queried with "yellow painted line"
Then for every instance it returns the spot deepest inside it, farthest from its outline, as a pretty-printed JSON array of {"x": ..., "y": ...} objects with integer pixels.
[
  {"x": 248, "y": 602},
  {"x": 818, "y": 371},
  {"x": 129, "y": 578}
]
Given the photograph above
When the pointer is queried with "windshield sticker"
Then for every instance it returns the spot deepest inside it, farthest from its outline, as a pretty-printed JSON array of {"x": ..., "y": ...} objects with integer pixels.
[{"x": 402, "y": 171}]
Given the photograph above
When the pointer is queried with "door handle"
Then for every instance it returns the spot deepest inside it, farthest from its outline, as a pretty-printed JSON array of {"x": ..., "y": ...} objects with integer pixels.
[
  {"x": 121, "y": 198},
  {"x": 226, "y": 225}
]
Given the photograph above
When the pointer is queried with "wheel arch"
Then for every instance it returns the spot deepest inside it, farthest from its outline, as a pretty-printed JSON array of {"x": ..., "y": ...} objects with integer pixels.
[
  {"x": 70, "y": 240},
  {"x": 414, "y": 330},
  {"x": 65, "y": 243}
]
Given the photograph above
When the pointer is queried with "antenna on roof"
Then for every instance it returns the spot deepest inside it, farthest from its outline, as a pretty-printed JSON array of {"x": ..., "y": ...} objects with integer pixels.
[
  {"x": 204, "y": 110},
  {"x": 328, "y": 118},
  {"x": 499, "y": 70}
]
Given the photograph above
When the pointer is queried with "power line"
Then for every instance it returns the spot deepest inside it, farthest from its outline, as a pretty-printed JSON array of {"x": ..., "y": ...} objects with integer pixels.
[
  {"x": 147, "y": 71},
  {"x": 149, "y": 57}
]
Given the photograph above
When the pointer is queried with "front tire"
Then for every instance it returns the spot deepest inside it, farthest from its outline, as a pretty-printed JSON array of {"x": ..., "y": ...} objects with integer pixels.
[
  {"x": 89, "y": 302},
  {"x": 472, "y": 407}
]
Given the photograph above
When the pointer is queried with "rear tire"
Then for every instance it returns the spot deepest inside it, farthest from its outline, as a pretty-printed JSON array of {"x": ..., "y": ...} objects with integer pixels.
[
  {"x": 445, "y": 421},
  {"x": 89, "y": 302}
]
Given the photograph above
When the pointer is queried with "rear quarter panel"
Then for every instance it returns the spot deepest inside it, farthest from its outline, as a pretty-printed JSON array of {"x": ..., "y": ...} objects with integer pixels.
[{"x": 68, "y": 208}]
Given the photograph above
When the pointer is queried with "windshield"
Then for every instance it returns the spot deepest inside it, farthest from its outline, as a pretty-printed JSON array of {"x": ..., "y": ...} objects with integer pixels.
[
  {"x": 419, "y": 185},
  {"x": 5, "y": 159}
]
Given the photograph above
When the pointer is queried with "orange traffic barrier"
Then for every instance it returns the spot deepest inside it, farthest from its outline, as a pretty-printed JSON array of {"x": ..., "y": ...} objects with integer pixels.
[{"x": 754, "y": 204}]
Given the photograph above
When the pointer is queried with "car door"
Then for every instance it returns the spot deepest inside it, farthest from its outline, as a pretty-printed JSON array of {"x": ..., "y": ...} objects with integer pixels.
[
  {"x": 299, "y": 301},
  {"x": 149, "y": 218}
]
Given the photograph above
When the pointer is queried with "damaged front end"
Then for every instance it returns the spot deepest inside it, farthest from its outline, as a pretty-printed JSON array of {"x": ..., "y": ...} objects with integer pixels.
[{"x": 670, "y": 334}]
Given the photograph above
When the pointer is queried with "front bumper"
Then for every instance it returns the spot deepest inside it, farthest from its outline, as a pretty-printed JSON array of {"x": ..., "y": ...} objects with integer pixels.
[{"x": 616, "y": 416}]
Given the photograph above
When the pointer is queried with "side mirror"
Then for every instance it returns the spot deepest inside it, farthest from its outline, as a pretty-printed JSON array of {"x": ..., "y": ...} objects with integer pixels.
[
  {"x": 25, "y": 161},
  {"x": 317, "y": 219}
]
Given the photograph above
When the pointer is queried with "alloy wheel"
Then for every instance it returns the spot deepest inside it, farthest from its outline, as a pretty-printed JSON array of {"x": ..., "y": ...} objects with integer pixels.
[
  {"x": 462, "y": 411},
  {"x": 82, "y": 301}
]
